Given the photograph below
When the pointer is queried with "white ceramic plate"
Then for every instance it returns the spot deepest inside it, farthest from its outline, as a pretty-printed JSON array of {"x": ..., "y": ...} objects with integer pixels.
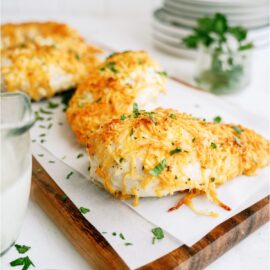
[
  {"x": 162, "y": 15},
  {"x": 232, "y": 9},
  {"x": 173, "y": 50}
]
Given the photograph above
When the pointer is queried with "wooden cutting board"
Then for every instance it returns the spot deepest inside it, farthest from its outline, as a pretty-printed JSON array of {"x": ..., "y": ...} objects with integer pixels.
[{"x": 100, "y": 255}]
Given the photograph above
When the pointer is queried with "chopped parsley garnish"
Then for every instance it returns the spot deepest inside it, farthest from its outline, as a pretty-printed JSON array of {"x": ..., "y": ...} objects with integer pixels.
[
  {"x": 162, "y": 73},
  {"x": 68, "y": 176},
  {"x": 38, "y": 117},
  {"x": 122, "y": 236},
  {"x": 44, "y": 111},
  {"x": 111, "y": 66},
  {"x": 158, "y": 234},
  {"x": 66, "y": 96},
  {"x": 135, "y": 110},
  {"x": 51, "y": 161},
  {"x": 131, "y": 132},
  {"x": 237, "y": 129},
  {"x": 52, "y": 105},
  {"x": 50, "y": 125},
  {"x": 64, "y": 198},
  {"x": 175, "y": 151},
  {"x": 80, "y": 155},
  {"x": 49, "y": 119},
  {"x": 217, "y": 119},
  {"x": 150, "y": 115},
  {"x": 22, "y": 249},
  {"x": 42, "y": 135},
  {"x": 41, "y": 126},
  {"x": 172, "y": 116},
  {"x": 41, "y": 155},
  {"x": 123, "y": 117},
  {"x": 128, "y": 244},
  {"x": 42, "y": 141},
  {"x": 114, "y": 233},
  {"x": 238, "y": 141},
  {"x": 60, "y": 124},
  {"x": 158, "y": 168},
  {"x": 84, "y": 210},
  {"x": 213, "y": 145},
  {"x": 24, "y": 261},
  {"x": 77, "y": 56}
]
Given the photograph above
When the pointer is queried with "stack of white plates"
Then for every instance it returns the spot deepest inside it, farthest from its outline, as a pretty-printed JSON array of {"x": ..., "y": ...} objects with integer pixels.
[{"x": 176, "y": 19}]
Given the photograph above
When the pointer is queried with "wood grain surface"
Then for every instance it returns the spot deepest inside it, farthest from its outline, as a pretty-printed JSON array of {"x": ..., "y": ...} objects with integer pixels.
[{"x": 100, "y": 255}]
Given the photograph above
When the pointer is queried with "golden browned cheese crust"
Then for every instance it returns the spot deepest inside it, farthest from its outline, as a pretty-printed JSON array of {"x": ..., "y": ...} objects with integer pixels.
[
  {"x": 216, "y": 152},
  {"x": 111, "y": 89},
  {"x": 43, "y": 59}
]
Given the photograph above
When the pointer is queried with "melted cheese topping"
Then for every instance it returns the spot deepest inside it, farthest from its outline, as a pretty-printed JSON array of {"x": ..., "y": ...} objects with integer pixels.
[
  {"x": 123, "y": 152},
  {"x": 42, "y": 59},
  {"x": 111, "y": 89}
]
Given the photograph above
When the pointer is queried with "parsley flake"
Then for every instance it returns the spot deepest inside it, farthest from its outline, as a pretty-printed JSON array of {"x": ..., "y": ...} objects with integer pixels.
[
  {"x": 22, "y": 249},
  {"x": 172, "y": 116},
  {"x": 84, "y": 210},
  {"x": 122, "y": 236},
  {"x": 80, "y": 155},
  {"x": 158, "y": 168},
  {"x": 162, "y": 73},
  {"x": 68, "y": 176},
  {"x": 217, "y": 119},
  {"x": 128, "y": 244},
  {"x": 114, "y": 233},
  {"x": 213, "y": 145},
  {"x": 237, "y": 140},
  {"x": 237, "y": 129},
  {"x": 111, "y": 66},
  {"x": 158, "y": 234},
  {"x": 64, "y": 198},
  {"x": 150, "y": 115},
  {"x": 45, "y": 111},
  {"x": 123, "y": 117},
  {"x": 25, "y": 261},
  {"x": 52, "y": 105},
  {"x": 135, "y": 110},
  {"x": 175, "y": 151}
]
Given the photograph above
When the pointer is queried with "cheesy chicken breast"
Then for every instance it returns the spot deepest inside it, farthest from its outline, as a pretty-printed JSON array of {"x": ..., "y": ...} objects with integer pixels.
[
  {"x": 161, "y": 152},
  {"x": 42, "y": 59},
  {"x": 112, "y": 88}
]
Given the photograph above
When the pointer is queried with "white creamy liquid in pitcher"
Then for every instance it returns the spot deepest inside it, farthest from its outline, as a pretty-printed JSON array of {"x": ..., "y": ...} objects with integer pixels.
[{"x": 14, "y": 187}]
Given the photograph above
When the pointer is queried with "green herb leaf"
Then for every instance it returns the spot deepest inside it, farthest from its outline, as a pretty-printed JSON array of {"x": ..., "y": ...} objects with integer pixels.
[
  {"x": 80, "y": 155},
  {"x": 45, "y": 111},
  {"x": 111, "y": 66},
  {"x": 114, "y": 233},
  {"x": 217, "y": 119},
  {"x": 191, "y": 41},
  {"x": 42, "y": 135},
  {"x": 172, "y": 116},
  {"x": 158, "y": 168},
  {"x": 158, "y": 234},
  {"x": 176, "y": 150},
  {"x": 84, "y": 210},
  {"x": 162, "y": 73},
  {"x": 128, "y": 244},
  {"x": 247, "y": 46},
  {"x": 66, "y": 96},
  {"x": 123, "y": 117},
  {"x": 150, "y": 115},
  {"x": 22, "y": 248},
  {"x": 64, "y": 198},
  {"x": 68, "y": 176},
  {"x": 238, "y": 32},
  {"x": 213, "y": 145},
  {"x": 237, "y": 129},
  {"x": 122, "y": 236},
  {"x": 25, "y": 261},
  {"x": 52, "y": 105},
  {"x": 135, "y": 110},
  {"x": 49, "y": 126},
  {"x": 238, "y": 141},
  {"x": 51, "y": 161}
]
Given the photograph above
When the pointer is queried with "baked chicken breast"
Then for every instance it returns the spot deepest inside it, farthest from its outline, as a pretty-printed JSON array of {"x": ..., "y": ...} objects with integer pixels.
[
  {"x": 112, "y": 88},
  {"x": 42, "y": 59},
  {"x": 158, "y": 153}
]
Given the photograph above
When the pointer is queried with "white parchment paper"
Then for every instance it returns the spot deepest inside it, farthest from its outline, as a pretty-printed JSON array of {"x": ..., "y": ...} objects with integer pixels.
[{"x": 183, "y": 225}]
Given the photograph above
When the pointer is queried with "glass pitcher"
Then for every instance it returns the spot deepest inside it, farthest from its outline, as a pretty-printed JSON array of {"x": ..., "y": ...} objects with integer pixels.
[{"x": 16, "y": 118}]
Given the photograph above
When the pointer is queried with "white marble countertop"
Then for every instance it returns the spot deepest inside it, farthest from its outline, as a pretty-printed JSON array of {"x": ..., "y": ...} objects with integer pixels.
[{"x": 50, "y": 249}]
